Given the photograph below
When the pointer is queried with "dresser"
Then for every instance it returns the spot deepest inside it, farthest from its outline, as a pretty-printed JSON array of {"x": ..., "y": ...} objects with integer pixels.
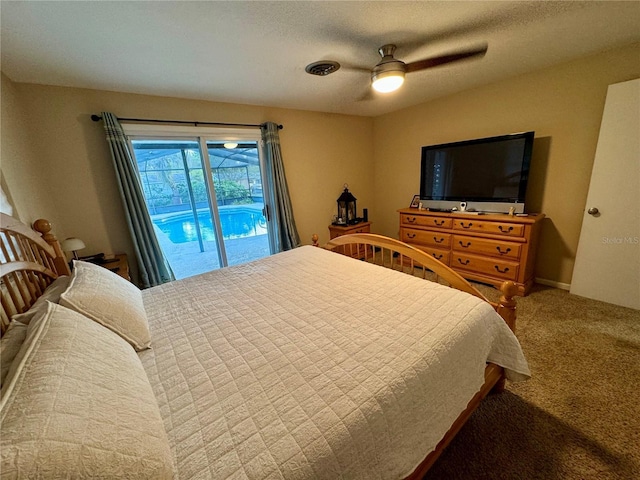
[
  {"x": 339, "y": 230},
  {"x": 486, "y": 248}
]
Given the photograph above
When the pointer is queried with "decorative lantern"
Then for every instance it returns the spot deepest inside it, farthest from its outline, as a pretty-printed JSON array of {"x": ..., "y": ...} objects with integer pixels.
[{"x": 347, "y": 207}]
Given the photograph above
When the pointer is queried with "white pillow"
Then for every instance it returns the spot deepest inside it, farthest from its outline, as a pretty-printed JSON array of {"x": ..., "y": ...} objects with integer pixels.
[
  {"x": 78, "y": 404},
  {"x": 51, "y": 294},
  {"x": 10, "y": 345},
  {"x": 110, "y": 300}
]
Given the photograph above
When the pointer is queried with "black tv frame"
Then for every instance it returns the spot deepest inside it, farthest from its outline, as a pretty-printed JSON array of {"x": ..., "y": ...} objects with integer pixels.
[{"x": 480, "y": 204}]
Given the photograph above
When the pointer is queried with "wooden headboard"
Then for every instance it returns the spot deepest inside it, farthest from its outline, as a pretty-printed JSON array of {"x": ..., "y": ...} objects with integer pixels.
[{"x": 29, "y": 263}]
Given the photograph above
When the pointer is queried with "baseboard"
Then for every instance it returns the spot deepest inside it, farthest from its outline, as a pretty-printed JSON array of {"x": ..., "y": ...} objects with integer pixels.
[{"x": 551, "y": 283}]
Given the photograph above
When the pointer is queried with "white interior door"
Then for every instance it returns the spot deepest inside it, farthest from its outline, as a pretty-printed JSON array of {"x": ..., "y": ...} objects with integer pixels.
[{"x": 607, "y": 264}]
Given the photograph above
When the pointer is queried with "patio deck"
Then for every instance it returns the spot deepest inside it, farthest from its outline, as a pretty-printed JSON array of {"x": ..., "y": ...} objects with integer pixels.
[{"x": 187, "y": 260}]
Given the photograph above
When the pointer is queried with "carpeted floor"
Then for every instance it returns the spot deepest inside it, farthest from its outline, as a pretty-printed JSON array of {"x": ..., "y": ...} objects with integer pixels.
[{"x": 579, "y": 415}]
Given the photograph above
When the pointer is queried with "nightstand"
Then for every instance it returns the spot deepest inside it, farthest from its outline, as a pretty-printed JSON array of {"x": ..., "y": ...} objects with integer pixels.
[
  {"x": 119, "y": 264},
  {"x": 339, "y": 230}
]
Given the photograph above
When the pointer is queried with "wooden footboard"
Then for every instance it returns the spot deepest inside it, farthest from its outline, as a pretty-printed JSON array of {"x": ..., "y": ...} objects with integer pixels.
[{"x": 397, "y": 255}]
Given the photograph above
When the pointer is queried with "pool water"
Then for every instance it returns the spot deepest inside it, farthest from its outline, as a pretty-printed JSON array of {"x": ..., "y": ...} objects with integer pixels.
[{"x": 236, "y": 223}]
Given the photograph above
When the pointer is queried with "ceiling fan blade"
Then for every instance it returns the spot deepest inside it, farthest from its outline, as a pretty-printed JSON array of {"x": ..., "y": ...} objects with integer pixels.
[{"x": 444, "y": 59}]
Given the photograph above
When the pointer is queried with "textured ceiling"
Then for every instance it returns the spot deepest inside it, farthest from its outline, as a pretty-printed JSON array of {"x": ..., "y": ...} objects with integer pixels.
[{"x": 255, "y": 52}]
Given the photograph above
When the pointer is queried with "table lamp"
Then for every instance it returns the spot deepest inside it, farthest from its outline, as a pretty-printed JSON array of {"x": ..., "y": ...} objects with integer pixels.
[{"x": 73, "y": 245}]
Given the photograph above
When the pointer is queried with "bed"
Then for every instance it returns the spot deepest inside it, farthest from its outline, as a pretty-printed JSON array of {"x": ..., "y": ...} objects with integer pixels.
[{"x": 306, "y": 364}]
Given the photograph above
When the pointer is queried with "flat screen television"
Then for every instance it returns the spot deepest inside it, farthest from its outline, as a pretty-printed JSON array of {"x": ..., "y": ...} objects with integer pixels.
[{"x": 488, "y": 174}]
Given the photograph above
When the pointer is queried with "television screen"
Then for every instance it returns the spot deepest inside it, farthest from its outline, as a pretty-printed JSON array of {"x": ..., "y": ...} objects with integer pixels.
[{"x": 492, "y": 169}]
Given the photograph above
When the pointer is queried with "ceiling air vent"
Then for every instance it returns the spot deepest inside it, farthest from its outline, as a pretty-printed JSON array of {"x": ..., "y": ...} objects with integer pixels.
[{"x": 322, "y": 68}]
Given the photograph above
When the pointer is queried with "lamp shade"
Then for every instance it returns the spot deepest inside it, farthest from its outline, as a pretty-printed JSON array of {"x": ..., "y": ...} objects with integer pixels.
[{"x": 72, "y": 244}]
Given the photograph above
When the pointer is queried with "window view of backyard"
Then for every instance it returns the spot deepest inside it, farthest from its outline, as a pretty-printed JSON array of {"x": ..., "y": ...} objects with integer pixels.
[{"x": 195, "y": 235}]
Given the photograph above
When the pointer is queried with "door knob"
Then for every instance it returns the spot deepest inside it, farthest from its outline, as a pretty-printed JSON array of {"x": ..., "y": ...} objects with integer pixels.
[{"x": 593, "y": 211}]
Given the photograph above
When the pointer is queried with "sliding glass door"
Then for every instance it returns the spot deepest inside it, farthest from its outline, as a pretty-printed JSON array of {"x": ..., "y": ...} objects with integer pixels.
[
  {"x": 204, "y": 196},
  {"x": 237, "y": 179}
]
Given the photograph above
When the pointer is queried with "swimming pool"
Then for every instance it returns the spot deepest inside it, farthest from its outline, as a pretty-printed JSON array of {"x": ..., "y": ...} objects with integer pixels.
[{"x": 236, "y": 222}]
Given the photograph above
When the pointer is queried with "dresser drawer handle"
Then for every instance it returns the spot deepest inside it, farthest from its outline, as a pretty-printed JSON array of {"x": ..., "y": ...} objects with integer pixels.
[
  {"x": 466, "y": 226},
  {"x": 505, "y": 252},
  {"x": 411, "y": 220},
  {"x": 505, "y": 230},
  {"x": 438, "y": 223},
  {"x": 435, "y": 239},
  {"x": 411, "y": 235},
  {"x": 506, "y": 269},
  {"x": 463, "y": 245},
  {"x": 466, "y": 262},
  {"x": 437, "y": 257}
]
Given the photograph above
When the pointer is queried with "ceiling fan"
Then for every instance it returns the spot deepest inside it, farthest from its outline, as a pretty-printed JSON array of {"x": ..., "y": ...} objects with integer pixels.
[{"x": 388, "y": 74}]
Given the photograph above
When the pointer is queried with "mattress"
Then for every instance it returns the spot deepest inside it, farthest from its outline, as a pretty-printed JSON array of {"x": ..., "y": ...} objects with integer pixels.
[{"x": 309, "y": 364}]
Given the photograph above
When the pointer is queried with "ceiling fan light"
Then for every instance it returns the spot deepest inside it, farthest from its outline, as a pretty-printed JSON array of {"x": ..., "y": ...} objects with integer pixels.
[{"x": 385, "y": 82}]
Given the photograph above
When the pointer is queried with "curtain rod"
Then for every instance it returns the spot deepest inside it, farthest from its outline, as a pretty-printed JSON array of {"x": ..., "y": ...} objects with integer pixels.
[{"x": 97, "y": 118}]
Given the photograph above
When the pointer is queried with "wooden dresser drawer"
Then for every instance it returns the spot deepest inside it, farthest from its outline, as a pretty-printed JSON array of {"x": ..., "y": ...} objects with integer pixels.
[
  {"x": 361, "y": 230},
  {"x": 484, "y": 246},
  {"x": 488, "y": 266},
  {"x": 339, "y": 230},
  {"x": 422, "y": 221},
  {"x": 425, "y": 237},
  {"x": 442, "y": 255},
  {"x": 496, "y": 228}
]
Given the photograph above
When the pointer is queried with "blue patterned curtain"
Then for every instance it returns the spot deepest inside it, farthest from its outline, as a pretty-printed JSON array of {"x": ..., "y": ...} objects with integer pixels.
[
  {"x": 283, "y": 234},
  {"x": 152, "y": 265}
]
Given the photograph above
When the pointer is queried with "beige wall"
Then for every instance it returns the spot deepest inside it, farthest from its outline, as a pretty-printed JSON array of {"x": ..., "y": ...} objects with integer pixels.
[
  {"x": 29, "y": 197},
  {"x": 563, "y": 104},
  {"x": 66, "y": 155}
]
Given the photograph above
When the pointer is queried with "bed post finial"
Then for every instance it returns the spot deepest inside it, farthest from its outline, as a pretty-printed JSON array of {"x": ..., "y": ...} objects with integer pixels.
[
  {"x": 43, "y": 227},
  {"x": 507, "y": 304},
  {"x": 314, "y": 240}
]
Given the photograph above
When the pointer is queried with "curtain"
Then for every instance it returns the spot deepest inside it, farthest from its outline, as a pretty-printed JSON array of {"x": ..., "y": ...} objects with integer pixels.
[
  {"x": 152, "y": 265},
  {"x": 283, "y": 231}
]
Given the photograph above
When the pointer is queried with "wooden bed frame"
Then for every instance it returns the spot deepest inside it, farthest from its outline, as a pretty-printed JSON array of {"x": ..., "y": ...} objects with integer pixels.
[
  {"x": 30, "y": 262},
  {"x": 391, "y": 253}
]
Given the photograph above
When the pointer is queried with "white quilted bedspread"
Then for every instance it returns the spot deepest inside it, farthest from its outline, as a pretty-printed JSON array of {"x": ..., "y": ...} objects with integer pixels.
[{"x": 312, "y": 365}]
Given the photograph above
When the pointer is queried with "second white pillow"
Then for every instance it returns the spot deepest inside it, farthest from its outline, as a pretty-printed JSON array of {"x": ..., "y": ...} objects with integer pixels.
[{"x": 110, "y": 300}]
